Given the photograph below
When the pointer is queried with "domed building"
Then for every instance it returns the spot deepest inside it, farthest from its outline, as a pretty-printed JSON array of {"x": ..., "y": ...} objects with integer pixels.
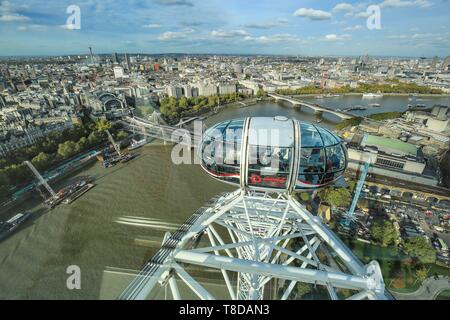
[{"x": 107, "y": 105}]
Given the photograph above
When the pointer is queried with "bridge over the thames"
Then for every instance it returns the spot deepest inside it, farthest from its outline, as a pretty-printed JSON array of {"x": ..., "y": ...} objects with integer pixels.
[
  {"x": 171, "y": 134},
  {"x": 316, "y": 108}
]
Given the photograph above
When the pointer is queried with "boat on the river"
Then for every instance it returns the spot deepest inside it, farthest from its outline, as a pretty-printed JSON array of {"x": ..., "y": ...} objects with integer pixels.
[
  {"x": 82, "y": 189},
  {"x": 137, "y": 144},
  {"x": 372, "y": 95},
  {"x": 9, "y": 227},
  {"x": 355, "y": 108},
  {"x": 68, "y": 194}
]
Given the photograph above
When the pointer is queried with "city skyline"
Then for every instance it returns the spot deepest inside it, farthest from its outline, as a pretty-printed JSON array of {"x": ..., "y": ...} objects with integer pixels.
[{"x": 411, "y": 28}]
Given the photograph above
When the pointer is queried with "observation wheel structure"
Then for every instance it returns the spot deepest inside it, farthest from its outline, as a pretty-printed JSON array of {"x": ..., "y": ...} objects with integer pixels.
[{"x": 259, "y": 241}]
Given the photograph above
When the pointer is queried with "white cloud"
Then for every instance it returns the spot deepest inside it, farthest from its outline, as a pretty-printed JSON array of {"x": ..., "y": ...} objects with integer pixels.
[
  {"x": 312, "y": 14},
  {"x": 13, "y": 17},
  {"x": 33, "y": 27},
  {"x": 229, "y": 34},
  {"x": 274, "y": 38},
  {"x": 151, "y": 26},
  {"x": 9, "y": 12},
  {"x": 353, "y": 28},
  {"x": 415, "y": 36},
  {"x": 268, "y": 25},
  {"x": 8, "y": 7},
  {"x": 343, "y": 7},
  {"x": 172, "y": 35},
  {"x": 66, "y": 27},
  {"x": 406, "y": 3},
  {"x": 334, "y": 37},
  {"x": 363, "y": 15}
]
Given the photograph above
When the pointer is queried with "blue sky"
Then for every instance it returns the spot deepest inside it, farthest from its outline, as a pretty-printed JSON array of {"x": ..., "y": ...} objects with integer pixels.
[{"x": 311, "y": 27}]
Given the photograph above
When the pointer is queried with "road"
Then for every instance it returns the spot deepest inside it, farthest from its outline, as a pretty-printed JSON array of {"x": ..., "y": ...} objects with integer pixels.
[{"x": 429, "y": 290}]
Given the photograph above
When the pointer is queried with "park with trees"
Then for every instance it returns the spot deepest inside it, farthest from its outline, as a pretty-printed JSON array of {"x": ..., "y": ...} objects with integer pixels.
[
  {"x": 173, "y": 108},
  {"x": 376, "y": 116},
  {"x": 393, "y": 87},
  {"x": 50, "y": 151}
]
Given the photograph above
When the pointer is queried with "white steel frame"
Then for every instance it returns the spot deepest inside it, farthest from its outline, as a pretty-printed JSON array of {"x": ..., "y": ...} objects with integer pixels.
[
  {"x": 257, "y": 240},
  {"x": 264, "y": 239}
]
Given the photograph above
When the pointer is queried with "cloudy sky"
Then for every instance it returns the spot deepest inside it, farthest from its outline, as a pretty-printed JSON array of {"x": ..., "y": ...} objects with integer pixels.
[{"x": 304, "y": 27}]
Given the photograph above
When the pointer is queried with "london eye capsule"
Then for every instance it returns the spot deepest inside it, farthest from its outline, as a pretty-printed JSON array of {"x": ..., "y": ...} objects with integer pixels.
[{"x": 272, "y": 154}]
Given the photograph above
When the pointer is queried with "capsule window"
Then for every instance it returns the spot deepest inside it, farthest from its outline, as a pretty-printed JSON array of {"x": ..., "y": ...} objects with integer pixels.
[
  {"x": 335, "y": 158},
  {"x": 310, "y": 137},
  {"x": 329, "y": 139},
  {"x": 270, "y": 167}
]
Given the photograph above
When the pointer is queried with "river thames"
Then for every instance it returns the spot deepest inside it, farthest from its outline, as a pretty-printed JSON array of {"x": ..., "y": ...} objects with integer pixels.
[{"x": 115, "y": 227}]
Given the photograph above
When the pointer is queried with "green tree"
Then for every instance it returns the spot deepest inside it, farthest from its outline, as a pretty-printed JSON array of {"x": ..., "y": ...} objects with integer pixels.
[
  {"x": 304, "y": 196},
  {"x": 349, "y": 123},
  {"x": 419, "y": 248},
  {"x": 183, "y": 103},
  {"x": 212, "y": 101},
  {"x": 336, "y": 197},
  {"x": 95, "y": 138},
  {"x": 422, "y": 274},
  {"x": 121, "y": 135},
  {"x": 445, "y": 169},
  {"x": 385, "y": 115},
  {"x": 67, "y": 149},
  {"x": 4, "y": 186},
  {"x": 83, "y": 143},
  {"x": 351, "y": 185},
  {"x": 260, "y": 93},
  {"x": 384, "y": 233},
  {"x": 18, "y": 173},
  {"x": 102, "y": 125},
  {"x": 42, "y": 161},
  {"x": 302, "y": 289}
]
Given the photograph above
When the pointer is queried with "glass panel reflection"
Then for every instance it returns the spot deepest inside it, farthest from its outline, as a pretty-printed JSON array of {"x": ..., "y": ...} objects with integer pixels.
[
  {"x": 220, "y": 150},
  {"x": 269, "y": 167},
  {"x": 319, "y": 165},
  {"x": 329, "y": 138},
  {"x": 309, "y": 136},
  {"x": 335, "y": 158}
]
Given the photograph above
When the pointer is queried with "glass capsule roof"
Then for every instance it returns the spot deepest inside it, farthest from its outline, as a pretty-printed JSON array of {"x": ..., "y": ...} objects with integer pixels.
[{"x": 315, "y": 136}]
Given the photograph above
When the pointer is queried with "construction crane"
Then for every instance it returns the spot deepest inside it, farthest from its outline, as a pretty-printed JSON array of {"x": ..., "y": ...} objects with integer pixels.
[
  {"x": 41, "y": 178},
  {"x": 362, "y": 178},
  {"x": 114, "y": 144}
]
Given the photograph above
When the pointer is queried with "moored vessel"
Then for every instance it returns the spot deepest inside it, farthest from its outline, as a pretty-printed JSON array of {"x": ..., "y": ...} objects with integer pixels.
[
  {"x": 372, "y": 95},
  {"x": 9, "y": 227}
]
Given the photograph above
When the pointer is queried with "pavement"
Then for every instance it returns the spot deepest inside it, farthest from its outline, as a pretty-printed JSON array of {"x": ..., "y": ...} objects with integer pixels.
[{"x": 429, "y": 290}]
